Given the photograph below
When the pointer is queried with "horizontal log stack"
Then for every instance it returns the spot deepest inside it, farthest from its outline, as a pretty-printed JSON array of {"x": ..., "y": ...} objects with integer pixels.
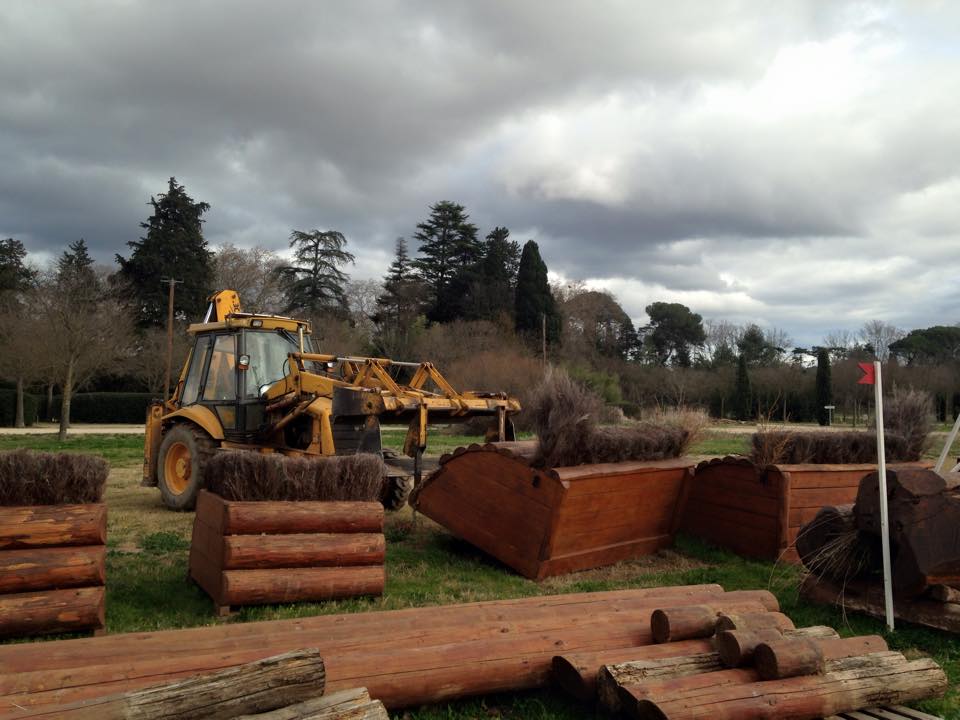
[
  {"x": 841, "y": 547},
  {"x": 403, "y": 657},
  {"x": 554, "y": 520},
  {"x": 777, "y": 671},
  {"x": 249, "y": 553},
  {"x": 758, "y": 511},
  {"x": 52, "y": 568}
]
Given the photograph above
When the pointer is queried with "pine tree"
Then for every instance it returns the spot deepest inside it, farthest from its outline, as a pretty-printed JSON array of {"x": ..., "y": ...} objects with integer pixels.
[
  {"x": 492, "y": 294},
  {"x": 449, "y": 253},
  {"x": 173, "y": 247},
  {"x": 533, "y": 299},
  {"x": 75, "y": 274},
  {"x": 824, "y": 386},
  {"x": 742, "y": 393},
  {"x": 14, "y": 274},
  {"x": 315, "y": 284},
  {"x": 399, "y": 306}
]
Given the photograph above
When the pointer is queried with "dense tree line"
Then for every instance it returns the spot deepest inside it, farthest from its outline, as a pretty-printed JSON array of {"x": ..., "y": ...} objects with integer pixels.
[{"x": 480, "y": 306}]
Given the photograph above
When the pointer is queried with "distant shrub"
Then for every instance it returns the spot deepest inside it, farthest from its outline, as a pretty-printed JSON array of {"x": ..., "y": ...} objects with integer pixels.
[
  {"x": 106, "y": 407},
  {"x": 8, "y": 408},
  {"x": 28, "y": 477}
]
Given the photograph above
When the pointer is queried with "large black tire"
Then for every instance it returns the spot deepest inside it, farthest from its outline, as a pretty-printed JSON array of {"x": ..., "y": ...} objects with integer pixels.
[
  {"x": 181, "y": 463},
  {"x": 396, "y": 490}
]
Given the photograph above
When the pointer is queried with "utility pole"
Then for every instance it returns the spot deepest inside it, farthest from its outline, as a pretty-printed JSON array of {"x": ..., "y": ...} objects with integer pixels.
[
  {"x": 166, "y": 377},
  {"x": 543, "y": 332}
]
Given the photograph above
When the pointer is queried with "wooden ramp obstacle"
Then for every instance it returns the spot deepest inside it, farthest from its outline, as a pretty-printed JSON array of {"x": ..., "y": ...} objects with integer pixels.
[
  {"x": 757, "y": 511},
  {"x": 550, "y": 521}
]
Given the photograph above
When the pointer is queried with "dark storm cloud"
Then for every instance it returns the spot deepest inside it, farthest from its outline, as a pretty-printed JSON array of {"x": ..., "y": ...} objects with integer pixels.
[{"x": 671, "y": 145}]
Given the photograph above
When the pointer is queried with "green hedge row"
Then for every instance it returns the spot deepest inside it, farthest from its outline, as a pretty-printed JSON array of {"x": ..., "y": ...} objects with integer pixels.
[
  {"x": 106, "y": 407},
  {"x": 8, "y": 407}
]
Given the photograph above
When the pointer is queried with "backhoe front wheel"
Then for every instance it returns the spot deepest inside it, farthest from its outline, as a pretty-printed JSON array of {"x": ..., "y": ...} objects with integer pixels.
[{"x": 182, "y": 460}]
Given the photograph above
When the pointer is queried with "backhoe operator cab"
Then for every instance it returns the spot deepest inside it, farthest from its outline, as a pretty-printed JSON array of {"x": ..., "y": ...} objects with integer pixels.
[{"x": 252, "y": 382}]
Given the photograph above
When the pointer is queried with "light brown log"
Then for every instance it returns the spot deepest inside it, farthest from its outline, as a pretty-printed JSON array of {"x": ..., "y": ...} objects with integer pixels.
[
  {"x": 254, "y": 687},
  {"x": 50, "y": 568},
  {"x": 245, "y": 552},
  {"x": 612, "y": 677},
  {"x": 354, "y": 704},
  {"x": 689, "y": 622},
  {"x": 944, "y": 593},
  {"x": 252, "y": 587},
  {"x": 879, "y": 679},
  {"x": 277, "y": 518},
  {"x": 51, "y": 611},
  {"x": 736, "y": 647},
  {"x": 788, "y": 657},
  {"x": 44, "y": 525},
  {"x": 754, "y": 621},
  {"x": 576, "y": 673}
]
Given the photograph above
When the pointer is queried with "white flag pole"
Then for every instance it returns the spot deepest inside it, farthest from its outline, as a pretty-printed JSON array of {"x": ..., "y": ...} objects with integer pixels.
[{"x": 884, "y": 517}]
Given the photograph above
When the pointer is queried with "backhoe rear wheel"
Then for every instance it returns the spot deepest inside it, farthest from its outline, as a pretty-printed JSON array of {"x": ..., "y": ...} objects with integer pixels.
[
  {"x": 396, "y": 490},
  {"x": 182, "y": 459}
]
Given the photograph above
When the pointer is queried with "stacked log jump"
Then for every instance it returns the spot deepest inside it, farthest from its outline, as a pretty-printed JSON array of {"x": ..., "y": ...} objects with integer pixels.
[
  {"x": 549, "y": 521},
  {"x": 403, "y": 657},
  {"x": 53, "y": 534},
  {"x": 746, "y": 666},
  {"x": 757, "y": 511},
  {"x": 260, "y": 552}
]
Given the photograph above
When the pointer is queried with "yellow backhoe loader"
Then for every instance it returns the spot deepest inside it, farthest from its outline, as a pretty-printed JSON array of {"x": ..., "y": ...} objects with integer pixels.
[{"x": 252, "y": 382}]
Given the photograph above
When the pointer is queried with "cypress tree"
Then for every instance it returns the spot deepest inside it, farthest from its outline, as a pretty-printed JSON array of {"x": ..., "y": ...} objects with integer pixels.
[
  {"x": 533, "y": 299},
  {"x": 742, "y": 393},
  {"x": 492, "y": 294},
  {"x": 174, "y": 247},
  {"x": 824, "y": 386}
]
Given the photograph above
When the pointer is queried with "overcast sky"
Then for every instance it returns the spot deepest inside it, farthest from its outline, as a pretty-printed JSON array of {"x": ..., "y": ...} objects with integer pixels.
[{"x": 794, "y": 164}]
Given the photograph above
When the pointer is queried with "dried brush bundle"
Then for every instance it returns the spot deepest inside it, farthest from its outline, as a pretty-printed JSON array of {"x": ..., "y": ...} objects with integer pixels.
[
  {"x": 244, "y": 475},
  {"x": 564, "y": 414},
  {"x": 782, "y": 447},
  {"x": 28, "y": 477},
  {"x": 909, "y": 414}
]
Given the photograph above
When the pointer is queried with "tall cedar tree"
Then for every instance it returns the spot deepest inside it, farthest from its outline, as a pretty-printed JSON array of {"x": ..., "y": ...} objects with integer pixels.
[
  {"x": 824, "y": 386},
  {"x": 314, "y": 285},
  {"x": 742, "y": 393},
  {"x": 448, "y": 262},
  {"x": 15, "y": 276},
  {"x": 173, "y": 247},
  {"x": 492, "y": 294},
  {"x": 533, "y": 300}
]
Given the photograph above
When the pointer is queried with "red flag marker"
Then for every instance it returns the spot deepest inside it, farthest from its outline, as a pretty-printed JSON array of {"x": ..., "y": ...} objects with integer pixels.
[{"x": 869, "y": 377}]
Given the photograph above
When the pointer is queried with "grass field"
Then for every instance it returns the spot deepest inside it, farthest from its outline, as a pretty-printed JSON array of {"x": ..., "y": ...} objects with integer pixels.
[{"x": 147, "y": 565}]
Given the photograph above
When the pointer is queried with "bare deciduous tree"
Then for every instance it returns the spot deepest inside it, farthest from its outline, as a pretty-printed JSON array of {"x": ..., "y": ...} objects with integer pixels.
[
  {"x": 879, "y": 335},
  {"x": 252, "y": 272}
]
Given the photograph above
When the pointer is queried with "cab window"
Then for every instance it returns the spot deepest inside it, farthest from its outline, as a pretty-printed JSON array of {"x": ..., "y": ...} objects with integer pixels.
[
  {"x": 222, "y": 376},
  {"x": 192, "y": 384}
]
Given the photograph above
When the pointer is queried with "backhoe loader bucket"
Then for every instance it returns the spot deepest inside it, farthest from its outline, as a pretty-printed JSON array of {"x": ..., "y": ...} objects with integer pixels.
[{"x": 550, "y": 521}]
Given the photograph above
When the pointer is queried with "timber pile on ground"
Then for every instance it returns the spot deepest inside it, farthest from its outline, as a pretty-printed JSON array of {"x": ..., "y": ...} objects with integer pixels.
[
  {"x": 284, "y": 687},
  {"x": 758, "y": 510},
  {"x": 53, "y": 529},
  {"x": 544, "y": 521},
  {"x": 403, "y": 657},
  {"x": 842, "y": 549},
  {"x": 248, "y": 553},
  {"x": 745, "y": 666}
]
